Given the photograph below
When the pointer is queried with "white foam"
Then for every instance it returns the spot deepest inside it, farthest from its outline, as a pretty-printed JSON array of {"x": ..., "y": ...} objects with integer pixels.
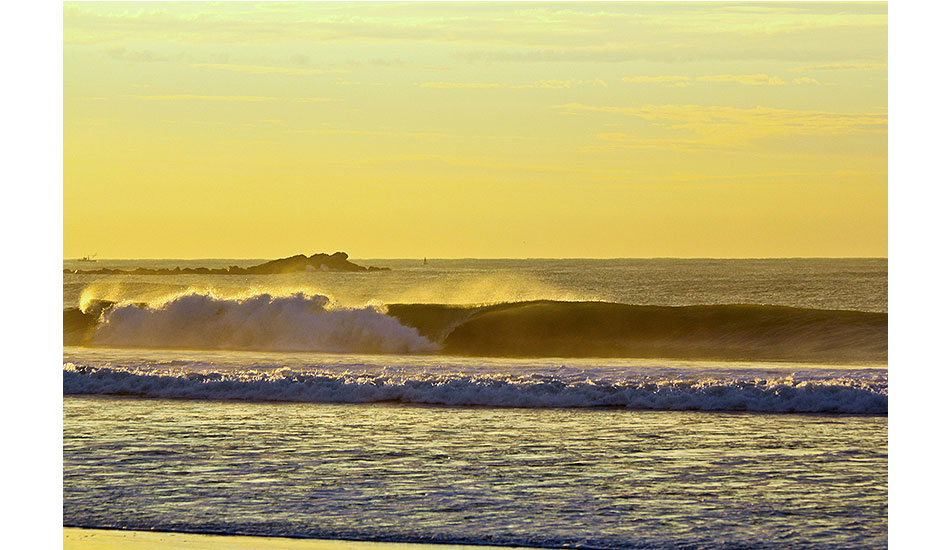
[
  {"x": 298, "y": 322},
  {"x": 778, "y": 394}
]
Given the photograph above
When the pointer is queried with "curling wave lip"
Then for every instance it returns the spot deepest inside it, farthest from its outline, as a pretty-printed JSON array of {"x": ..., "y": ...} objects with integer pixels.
[{"x": 541, "y": 328}]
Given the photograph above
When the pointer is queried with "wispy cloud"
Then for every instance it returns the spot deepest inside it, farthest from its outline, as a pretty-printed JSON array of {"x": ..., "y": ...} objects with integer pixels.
[
  {"x": 388, "y": 133},
  {"x": 257, "y": 69},
  {"x": 497, "y": 164},
  {"x": 452, "y": 85},
  {"x": 667, "y": 80},
  {"x": 311, "y": 99},
  {"x": 616, "y": 140},
  {"x": 340, "y": 82},
  {"x": 768, "y": 176},
  {"x": 501, "y": 32},
  {"x": 745, "y": 79},
  {"x": 121, "y": 53},
  {"x": 192, "y": 97},
  {"x": 549, "y": 84},
  {"x": 841, "y": 67},
  {"x": 701, "y": 114},
  {"x": 716, "y": 126},
  {"x": 558, "y": 84},
  {"x": 243, "y": 98}
]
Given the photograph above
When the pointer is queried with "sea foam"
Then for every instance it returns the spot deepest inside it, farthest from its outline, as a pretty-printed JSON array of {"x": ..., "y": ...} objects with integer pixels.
[
  {"x": 786, "y": 393},
  {"x": 540, "y": 328},
  {"x": 298, "y": 322}
]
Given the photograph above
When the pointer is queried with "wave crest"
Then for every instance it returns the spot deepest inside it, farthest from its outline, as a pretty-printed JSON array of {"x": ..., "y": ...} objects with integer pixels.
[
  {"x": 298, "y": 322},
  {"x": 546, "y": 328},
  {"x": 781, "y": 394},
  {"x": 543, "y": 328}
]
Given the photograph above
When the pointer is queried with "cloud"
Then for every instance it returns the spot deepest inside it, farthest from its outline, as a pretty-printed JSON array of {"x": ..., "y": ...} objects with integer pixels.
[
  {"x": 668, "y": 80},
  {"x": 192, "y": 97},
  {"x": 244, "y": 98},
  {"x": 310, "y": 99},
  {"x": 718, "y": 126},
  {"x": 339, "y": 82},
  {"x": 389, "y": 133},
  {"x": 678, "y": 45},
  {"x": 769, "y": 176},
  {"x": 745, "y": 79},
  {"x": 448, "y": 85},
  {"x": 300, "y": 59},
  {"x": 549, "y": 84},
  {"x": 121, "y": 53},
  {"x": 842, "y": 67},
  {"x": 492, "y": 163},
  {"x": 605, "y": 53},
  {"x": 256, "y": 69},
  {"x": 748, "y": 80},
  {"x": 805, "y": 33},
  {"x": 626, "y": 141},
  {"x": 558, "y": 84}
]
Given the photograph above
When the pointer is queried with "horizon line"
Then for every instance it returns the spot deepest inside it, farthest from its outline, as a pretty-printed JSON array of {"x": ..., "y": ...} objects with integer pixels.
[{"x": 531, "y": 258}]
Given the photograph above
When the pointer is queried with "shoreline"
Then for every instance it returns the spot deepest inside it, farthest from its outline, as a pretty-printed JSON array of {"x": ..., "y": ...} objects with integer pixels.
[{"x": 81, "y": 538}]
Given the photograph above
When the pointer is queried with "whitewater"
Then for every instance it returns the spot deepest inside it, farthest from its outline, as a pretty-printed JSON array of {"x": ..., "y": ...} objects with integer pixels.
[
  {"x": 776, "y": 388},
  {"x": 579, "y": 403}
]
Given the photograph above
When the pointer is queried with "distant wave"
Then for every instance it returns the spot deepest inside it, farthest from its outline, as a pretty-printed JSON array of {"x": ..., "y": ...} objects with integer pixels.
[
  {"x": 777, "y": 394},
  {"x": 523, "y": 329}
]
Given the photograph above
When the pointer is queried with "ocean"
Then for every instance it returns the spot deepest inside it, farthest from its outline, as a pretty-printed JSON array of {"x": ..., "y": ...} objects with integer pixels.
[{"x": 628, "y": 403}]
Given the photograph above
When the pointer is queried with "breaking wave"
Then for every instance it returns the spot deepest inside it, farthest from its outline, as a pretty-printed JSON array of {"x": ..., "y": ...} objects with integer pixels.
[
  {"x": 838, "y": 393},
  {"x": 262, "y": 322},
  {"x": 542, "y": 328}
]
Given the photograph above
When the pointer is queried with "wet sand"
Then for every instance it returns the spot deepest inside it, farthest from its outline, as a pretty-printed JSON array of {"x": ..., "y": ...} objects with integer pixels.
[{"x": 112, "y": 539}]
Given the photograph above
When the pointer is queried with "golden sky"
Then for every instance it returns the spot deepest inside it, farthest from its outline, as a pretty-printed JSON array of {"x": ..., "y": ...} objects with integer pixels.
[{"x": 259, "y": 130}]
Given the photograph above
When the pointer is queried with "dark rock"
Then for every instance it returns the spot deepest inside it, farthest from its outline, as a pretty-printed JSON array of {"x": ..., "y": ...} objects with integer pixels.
[{"x": 338, "y": 261}]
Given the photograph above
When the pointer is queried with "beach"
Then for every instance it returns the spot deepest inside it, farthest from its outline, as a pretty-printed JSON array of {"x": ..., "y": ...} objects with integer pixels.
[{"x": 105, "y": 539}]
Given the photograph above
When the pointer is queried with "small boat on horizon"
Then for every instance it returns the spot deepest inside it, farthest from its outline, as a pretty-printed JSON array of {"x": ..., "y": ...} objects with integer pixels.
[{"x": 87, "y": 258}]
